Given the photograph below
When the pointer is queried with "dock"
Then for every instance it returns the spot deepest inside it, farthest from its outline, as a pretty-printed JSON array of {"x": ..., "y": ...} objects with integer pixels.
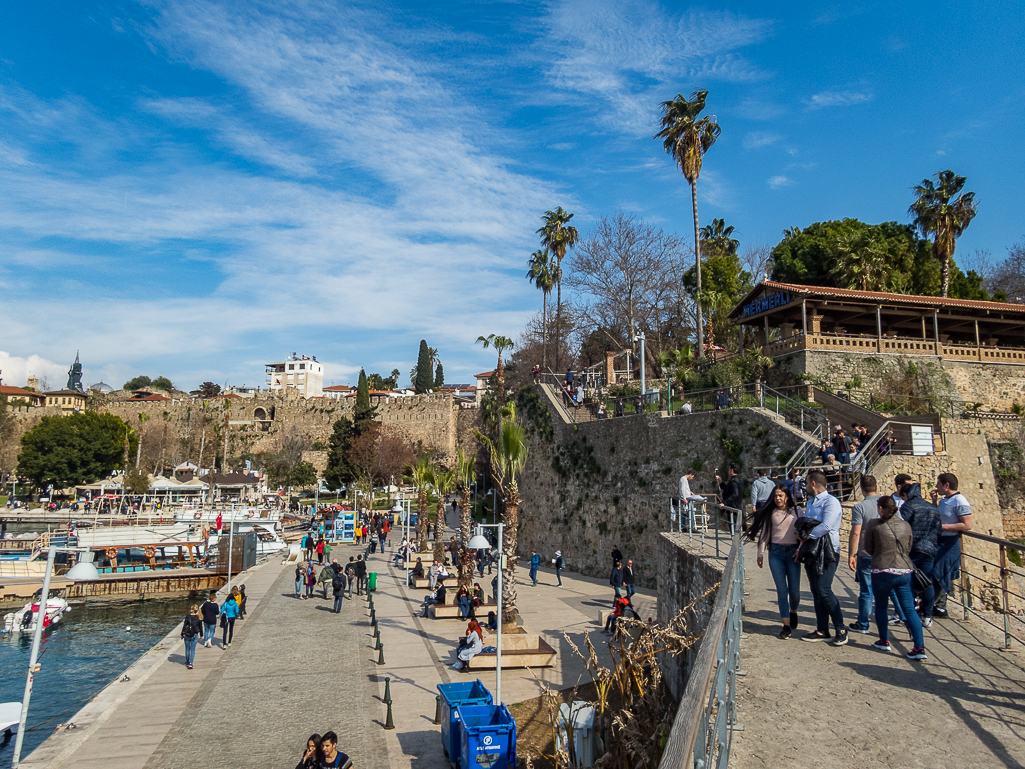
[{"x": 15, "y": 591}]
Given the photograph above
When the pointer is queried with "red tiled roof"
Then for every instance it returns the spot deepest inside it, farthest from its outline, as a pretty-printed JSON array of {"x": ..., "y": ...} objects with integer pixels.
[
  {"x": 19, "y": 392},
  {"x": 484, "y": 375},
  {"x": 233, "y": 396},
  {"x": 879, "y": 296},
  {"x": 339, "y": 388}
]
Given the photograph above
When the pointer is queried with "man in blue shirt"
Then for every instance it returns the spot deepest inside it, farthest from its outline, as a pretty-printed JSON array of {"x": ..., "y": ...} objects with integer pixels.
[
  {"x": 535, "y": 562},
  {"x": 826, "y": 509}
]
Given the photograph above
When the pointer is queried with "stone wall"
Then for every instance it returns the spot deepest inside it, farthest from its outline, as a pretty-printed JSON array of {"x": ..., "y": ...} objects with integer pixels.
[
  {"x": 996, "y": 386},
  {"x": 609, "y": 482},
  {"x": 687, "y": 576}
]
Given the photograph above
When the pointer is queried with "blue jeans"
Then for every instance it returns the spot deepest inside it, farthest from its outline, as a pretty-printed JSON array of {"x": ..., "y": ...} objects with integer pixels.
[
  {"x": 900, "y": 584},
  {"x": 827, "y": 606},
  {"x": 298, "y": 588},
  {"x": 190, "y": 649},
  {"x": 787, "y": 576},
  {"x": 925, "y": 563},
  {"x": 209, "y": 631},
  {"x": 865, "y": 594},
  {"x": 558, "y": 574},
  {"x": 533, "y": 575},
  {"x": 338, "y": 600},
  {"x": 630, "y": 590},
  {"x": 464, "y": 606}
]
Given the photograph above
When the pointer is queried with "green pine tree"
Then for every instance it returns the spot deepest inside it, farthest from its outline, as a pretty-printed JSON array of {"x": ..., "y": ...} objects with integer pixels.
[
  {"x": 364, "y": 413},
  {"x": 339, "y": 470},
  {"x": 424, "y": 375},
  {"x": 439, "y": 377}
]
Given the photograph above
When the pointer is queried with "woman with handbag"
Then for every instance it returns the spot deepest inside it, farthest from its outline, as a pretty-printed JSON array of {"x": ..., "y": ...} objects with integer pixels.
[
  {"x": 888, "y": 541},
  {"x": 773, "y": 525}
]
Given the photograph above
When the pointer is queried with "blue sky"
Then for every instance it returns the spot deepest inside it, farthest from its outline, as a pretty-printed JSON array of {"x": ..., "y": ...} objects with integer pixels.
[{"x": 194, "y": 189}]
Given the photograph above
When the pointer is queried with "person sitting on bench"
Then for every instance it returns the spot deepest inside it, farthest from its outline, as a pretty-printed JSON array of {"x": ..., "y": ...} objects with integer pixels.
[
  {"x": 469, "y": 646},
  {"x": 417, "y": 572},
  {"x": 437, "y": 597}
]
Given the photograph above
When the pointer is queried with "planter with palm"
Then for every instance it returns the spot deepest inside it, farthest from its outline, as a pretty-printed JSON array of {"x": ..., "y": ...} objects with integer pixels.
[
  {"x": 557, "y": 236},
  {"x": 508, "y": 456},
  {"x": 687, "y": 138}
]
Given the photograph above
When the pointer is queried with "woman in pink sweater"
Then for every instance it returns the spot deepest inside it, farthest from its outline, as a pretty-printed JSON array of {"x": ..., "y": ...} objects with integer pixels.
[{"x": 773, "y": 525}]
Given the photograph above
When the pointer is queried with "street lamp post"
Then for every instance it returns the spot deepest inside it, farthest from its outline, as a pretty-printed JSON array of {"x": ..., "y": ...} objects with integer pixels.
[
  {"x": 640, "y": 338},
  {"x": 480, "y": 542},
  {"x": 670, "y": 370}
]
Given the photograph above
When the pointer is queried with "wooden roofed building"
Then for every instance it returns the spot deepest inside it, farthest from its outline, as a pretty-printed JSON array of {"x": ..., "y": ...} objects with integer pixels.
[{"x": 833, "y": 334}]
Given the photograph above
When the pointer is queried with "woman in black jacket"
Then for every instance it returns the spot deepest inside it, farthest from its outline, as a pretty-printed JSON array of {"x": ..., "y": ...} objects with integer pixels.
[{"x": 192, "y": 629}]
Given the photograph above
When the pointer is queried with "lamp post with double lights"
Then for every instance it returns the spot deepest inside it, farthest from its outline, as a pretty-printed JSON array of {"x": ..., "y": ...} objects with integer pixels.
[{"x": 480, "y": 542}]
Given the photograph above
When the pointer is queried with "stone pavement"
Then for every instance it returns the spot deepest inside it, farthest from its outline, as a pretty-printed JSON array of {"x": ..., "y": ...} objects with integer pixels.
[
  {"x": 294, "y": 668},
  {"x": 813, "y": 705}
]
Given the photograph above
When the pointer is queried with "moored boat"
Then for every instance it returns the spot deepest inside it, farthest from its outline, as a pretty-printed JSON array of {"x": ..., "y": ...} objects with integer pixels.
[{"x": 24, "y": 620}]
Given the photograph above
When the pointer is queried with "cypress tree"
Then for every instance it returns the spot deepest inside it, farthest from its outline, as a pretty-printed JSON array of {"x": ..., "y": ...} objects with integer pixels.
[
  {"x": 439, "y": 377},
  {"x": 424, "y": 374},
  {"x": 363, "y": 414},
  {"x": 339, "y": 470}
]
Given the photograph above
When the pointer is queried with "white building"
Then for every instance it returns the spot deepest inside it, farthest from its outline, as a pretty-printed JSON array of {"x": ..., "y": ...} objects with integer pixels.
[
  {"x": 338, "y": 392},
  {"x": 299, "y": 372}
]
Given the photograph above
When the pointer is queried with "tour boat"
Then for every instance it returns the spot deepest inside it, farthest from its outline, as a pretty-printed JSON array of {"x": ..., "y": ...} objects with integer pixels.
[
  {"x": 10, "y": 717},
  {"x": 207, "y": 516},
  {"x": 24, "y": 620}
]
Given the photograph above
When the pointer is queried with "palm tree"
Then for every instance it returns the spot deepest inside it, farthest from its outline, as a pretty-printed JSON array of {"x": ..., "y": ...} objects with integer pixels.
[
  {"x": 418, "y": 476},
  {"x": 687, "y": 138},
  {"x": 465, "y": 475},
  {"x": 508, "y": 456},
  {"x": 861, "y": 263},
  {"x": 938, "y": 212},
  {"x": 443, "y": 482},
  {"x": 143, "y": 418},
  {"x": 544, "y": 273},
  {"x": 557, "y": 235},
  {"x": 501, "y": 344},
  {"x": 718, "y": 238}
]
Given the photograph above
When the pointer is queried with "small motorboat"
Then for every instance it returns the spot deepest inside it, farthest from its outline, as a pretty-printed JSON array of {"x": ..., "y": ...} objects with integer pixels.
[
  {"x": 24, "y": 620},
  {"x": 10, "y": 717}
]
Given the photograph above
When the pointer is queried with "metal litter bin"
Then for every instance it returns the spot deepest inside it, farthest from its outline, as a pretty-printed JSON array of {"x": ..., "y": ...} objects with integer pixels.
[
  {"x": 452, "y": 696},
  {"x": 372, "y": 581},
  {"x": 488, "y": 737}
]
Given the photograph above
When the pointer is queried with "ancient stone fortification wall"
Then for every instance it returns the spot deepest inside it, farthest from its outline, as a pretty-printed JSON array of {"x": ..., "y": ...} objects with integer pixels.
[
  {"x": 256, "y": 425},
  {"x": 609, "y": 482},
  {"x": 996, "y": 386},
  {"x": 687, "y": 577}
]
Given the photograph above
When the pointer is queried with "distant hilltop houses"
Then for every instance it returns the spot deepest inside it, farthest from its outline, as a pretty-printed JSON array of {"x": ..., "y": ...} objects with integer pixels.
[{"x": 297, "y": 377}]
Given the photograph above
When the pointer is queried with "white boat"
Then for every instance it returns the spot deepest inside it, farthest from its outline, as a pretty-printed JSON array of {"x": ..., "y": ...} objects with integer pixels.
[
  {"x": 208, "y": 516},
  {"x": 10, "y": 717},
  {"x": 24, "y": 620}
]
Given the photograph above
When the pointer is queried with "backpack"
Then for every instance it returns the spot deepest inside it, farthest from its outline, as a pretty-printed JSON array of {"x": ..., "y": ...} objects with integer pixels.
[
  {"x": 337, "y": 581},
  {"x": 189, "y": 630},
  {"x": 350, "y": 572}
]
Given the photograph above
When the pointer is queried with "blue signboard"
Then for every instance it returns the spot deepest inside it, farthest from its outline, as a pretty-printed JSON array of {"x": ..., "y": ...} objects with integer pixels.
[{"x": 766, "y": 303}]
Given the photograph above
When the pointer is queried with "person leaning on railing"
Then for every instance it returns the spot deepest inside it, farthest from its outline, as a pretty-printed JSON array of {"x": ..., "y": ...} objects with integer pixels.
[{"x": 955, "y": 517}]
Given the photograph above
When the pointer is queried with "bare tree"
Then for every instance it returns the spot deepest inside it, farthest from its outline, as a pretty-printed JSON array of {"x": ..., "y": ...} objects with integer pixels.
[
  {"x": 1009, "y": 275},
  {"x": 757, "y": 260},
  {"x": 624, "y": 271}
]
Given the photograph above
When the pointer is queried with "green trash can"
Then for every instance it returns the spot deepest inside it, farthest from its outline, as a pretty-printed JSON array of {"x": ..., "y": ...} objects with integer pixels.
[{"x": 372, "y": 581}]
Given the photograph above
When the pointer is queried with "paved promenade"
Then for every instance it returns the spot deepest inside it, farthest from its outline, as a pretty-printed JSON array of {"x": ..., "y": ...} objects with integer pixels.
[
  {"x": 812, "y": 705},
  {"x": 296, "y": 668}
]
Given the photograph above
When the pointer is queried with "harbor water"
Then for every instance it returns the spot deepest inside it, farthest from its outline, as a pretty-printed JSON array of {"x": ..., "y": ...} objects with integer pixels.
[{"x": 88, "y": 649}]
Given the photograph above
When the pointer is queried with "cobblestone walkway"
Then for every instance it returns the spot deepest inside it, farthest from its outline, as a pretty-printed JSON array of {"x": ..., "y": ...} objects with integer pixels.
[{"x": 295, "y": 669}]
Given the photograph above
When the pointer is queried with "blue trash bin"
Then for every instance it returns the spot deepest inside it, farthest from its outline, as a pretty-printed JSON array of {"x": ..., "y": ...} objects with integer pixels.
[
  {"x": 452, "y": 696},
  {"x": 488, "y": 737}
]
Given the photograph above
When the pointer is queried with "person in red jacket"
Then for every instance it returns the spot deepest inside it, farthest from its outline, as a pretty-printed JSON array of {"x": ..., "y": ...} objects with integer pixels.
[{"x": 621, "y": 605}]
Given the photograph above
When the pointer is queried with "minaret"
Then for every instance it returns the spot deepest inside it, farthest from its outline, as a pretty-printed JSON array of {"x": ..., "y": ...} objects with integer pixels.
[{"x": 75, "y": 375}]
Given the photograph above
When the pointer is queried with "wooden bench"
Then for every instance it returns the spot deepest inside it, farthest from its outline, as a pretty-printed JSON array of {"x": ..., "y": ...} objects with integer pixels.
[
  {"x": 518, "y": 651},
  {"x": 450, "y": 610}
]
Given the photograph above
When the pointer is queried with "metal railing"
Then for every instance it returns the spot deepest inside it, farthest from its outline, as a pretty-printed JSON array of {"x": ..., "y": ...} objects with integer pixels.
[
  {"x": 702, "y": 732},
  {"x": 705, "y": 519},
  {"x": 794, "y": 412},
  {"x": 973, "y": 585}
]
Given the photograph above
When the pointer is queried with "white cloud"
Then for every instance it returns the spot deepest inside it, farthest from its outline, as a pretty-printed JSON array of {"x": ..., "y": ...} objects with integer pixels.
[
  {"x": 15, "y": 370},
  {"x": 776, "y": 182},
  {"x": 628, "y": 52},
  {"x": 837, "y": 99},
  {"x": 757, "y": 139}
]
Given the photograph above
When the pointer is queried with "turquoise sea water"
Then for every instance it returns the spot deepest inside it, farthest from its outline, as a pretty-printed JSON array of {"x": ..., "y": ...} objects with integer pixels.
[{"x": 88, "y": 649}]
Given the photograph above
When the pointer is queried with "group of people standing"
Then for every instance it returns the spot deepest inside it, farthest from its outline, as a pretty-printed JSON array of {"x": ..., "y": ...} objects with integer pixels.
[
  {"x": 902, "y": 548},
  {"x": 200, "y": 625},
  {"x": 340, "y": 577}
]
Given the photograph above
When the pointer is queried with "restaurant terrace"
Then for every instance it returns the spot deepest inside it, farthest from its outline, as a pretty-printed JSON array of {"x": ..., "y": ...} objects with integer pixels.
[{"x": 790, "y": 318}]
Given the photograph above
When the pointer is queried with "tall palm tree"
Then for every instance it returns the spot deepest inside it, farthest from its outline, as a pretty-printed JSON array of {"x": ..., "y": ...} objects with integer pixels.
[
  {"x": 501, "y": 344},
  {"x": 443, "y": 482},
  {"x": 417, "y": 475},
  {"x": 939, "y": 213},
  {"x": 508, "y": 456},
  {"x": 557, "y": 235},
  {"x": 718, "y": 238},
  {"x": 544, "y": 273},
  {"x": 465, "y": 474},
  {"x": 687, "y": 138},
  {"x": 143, "y": 418}
]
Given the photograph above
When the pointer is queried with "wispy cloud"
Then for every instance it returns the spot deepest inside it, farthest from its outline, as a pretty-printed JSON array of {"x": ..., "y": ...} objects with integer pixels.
[
  {"x": 757, "y": 139},
  {"x": 837, "y": 99},
  {"x": 758, "y": 109},
  {"x": 630, "y": 54},
  {"x": 779, "y": 181}
]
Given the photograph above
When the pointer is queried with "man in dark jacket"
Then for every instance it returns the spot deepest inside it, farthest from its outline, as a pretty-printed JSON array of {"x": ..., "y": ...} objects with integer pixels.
[
  {"x": 361, "y": 574},
  {"x": 924, "y": 519},
  {"x": 616, "y": 579},
  {"x": 617, "y": 555},
  {"x": 628, "y": 579},
  {"x": 732, "y": 493}
]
